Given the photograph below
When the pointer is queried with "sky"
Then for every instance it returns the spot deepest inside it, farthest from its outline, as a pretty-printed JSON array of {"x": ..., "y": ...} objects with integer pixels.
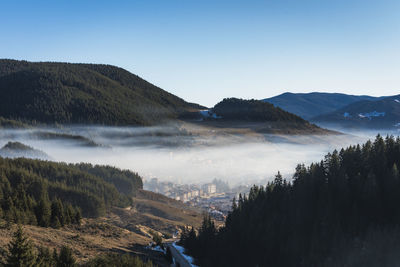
[{"x": 206, "y": 50}]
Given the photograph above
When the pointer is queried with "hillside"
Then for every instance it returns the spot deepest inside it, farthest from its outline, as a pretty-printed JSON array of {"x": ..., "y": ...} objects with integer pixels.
[
  {"x": 93, "y": 209},
  {"x": 252, "y": 110},
  {"x": 31, "y": 187},
  {"x": 234, "y": 115},
  {"x": 18, "y": 150},
  {"x": 384, "y": 113},
  {"x": 67, "y": 93},
  {"x": 341, "y": 211},
  {"x": 309, "y": 105}
]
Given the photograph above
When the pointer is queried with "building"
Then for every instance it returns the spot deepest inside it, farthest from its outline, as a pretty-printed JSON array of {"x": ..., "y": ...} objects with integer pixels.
[{"x": 210, "y": 188}]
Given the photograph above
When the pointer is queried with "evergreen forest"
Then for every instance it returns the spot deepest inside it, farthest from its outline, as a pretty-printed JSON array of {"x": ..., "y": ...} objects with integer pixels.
[{"x": 341, "y": 211}]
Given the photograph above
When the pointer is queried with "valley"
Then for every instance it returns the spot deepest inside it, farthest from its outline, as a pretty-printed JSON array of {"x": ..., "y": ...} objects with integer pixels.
[
  {"x": 200, "y": 133},
  {"x": 101, "y": 177}
]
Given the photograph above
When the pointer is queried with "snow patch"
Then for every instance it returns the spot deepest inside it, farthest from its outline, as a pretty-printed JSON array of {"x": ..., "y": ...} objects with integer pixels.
[
  {"x": 217, "y": 212},
  {"x": 209, "y": 114},
  {"x": 182, "y": 252},
  {"x": 346, "y": 115},
  {"x": 397, "y": 101},
  {"x": 372, "y": 114},
  {"x": 156, "y": 248},
  {"x": 205, "y": 113}
]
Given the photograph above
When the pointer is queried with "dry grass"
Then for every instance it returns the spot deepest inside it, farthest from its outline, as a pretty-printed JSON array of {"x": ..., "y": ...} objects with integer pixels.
[
  {"x": 87, "y": 240},
  {"x": 122, "y": 230},
  {"x": 156, "y": 211}
]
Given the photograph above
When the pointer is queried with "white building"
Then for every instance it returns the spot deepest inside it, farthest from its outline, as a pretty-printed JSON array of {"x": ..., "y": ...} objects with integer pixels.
[{"x": 210, "y": 188}]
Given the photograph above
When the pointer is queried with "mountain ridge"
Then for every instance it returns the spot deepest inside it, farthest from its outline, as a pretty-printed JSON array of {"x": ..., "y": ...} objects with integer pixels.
[
  {"x": 257, "y": 116},
  {"x": 383, "y": 113},
  {"x": 309, "y": 105},
  {"x": 73, "y": 93}
]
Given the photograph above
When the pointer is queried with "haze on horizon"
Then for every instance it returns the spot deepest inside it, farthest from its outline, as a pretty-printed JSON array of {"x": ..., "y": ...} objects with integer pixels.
[{"x": 204, "y": 51}]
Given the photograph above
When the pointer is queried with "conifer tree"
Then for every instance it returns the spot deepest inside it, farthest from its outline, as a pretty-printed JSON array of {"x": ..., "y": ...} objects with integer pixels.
[
  {"x": 65, "y": 258},
  {"x": 43, "y": 212},
  {"x": 20, "y": 249},
  {"x": 78, "y": 216},
  {"x": 44, "y": 258}
]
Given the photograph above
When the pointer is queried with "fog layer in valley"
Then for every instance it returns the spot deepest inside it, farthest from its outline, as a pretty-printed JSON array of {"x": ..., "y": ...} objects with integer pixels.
[{"x": 182, "y": 156}]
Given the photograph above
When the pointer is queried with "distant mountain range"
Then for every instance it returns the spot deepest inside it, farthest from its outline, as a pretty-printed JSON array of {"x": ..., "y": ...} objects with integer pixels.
[
  {"x": 309, "y": 105},
  {"x": 342, "y": 110},
  {"x": 49, "y": 92},
  {"x": 383, "y": 113}
]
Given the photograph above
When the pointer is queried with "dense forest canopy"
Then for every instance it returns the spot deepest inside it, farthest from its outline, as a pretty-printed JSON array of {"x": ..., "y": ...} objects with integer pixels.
[
  {"x": 50, "y": 92},
  {"x": 342, "y": 211},
  {"x": 53, "y": 194},
  {"x": 252, "y": 110}
]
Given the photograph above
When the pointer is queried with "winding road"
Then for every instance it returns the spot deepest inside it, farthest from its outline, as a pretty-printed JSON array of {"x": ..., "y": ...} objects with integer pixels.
[{"x": 178, "y": 256}]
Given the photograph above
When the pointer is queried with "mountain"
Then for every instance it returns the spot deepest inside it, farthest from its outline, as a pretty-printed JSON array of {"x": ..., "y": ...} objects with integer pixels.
[
  {"x": 19, "y": 150},
  {"x": 257, "y": 116},
  {"x": 251, "y": 110},
  {"x": 309, "y": 105},
  {"x": 66, "y": 93},
  {"x": 384, "y": 113}
]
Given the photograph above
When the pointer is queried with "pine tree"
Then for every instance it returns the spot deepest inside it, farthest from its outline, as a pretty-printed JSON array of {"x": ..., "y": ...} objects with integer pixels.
[
  {"x": 44, "y": 258},
  {"x": 55, "y": 223},
  {"x": 55, "y": 255},
  {"x": 20, "y": 250},
  {"x": 234, "y": 204},
  {"x": 278, "y": 179},
  {"x": 43, "y": 212},
  {"x": 57, "y": 214},
  {"x": 65, "y": 258},
  {"x": 78, "y": 216}
]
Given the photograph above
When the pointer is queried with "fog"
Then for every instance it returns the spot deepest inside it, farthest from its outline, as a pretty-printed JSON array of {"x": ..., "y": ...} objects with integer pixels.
[{"x": 181, "y": 156}]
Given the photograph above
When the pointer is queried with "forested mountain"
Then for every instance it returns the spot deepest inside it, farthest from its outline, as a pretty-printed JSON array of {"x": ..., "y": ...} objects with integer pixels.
[
  {"x": 50, "y": 92},
  {"x": 18, "y": 150},
  {"x": 342, "y": 211},
  {"x": 255, "y": 116},
  {"x": 309, "y": 105},
  {"x": 383, "y": 113},
  {"x": 54, "y": 194},
  {"x": 252, "y": 110}
]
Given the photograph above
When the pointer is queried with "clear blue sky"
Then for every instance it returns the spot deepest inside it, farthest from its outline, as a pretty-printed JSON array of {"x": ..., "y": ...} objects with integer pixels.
[{"x": 205, "y": 50}]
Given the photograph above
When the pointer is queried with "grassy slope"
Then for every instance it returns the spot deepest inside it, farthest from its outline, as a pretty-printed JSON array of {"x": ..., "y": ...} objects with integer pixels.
[
  {"x": 118, "y": 229},
  {"x": 121, "y": 230}
]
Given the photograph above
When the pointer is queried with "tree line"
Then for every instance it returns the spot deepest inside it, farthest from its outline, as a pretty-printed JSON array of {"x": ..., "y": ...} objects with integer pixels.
[
  {"x": 56, "y": 194},
  {"x": 341, "y": 211}
]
